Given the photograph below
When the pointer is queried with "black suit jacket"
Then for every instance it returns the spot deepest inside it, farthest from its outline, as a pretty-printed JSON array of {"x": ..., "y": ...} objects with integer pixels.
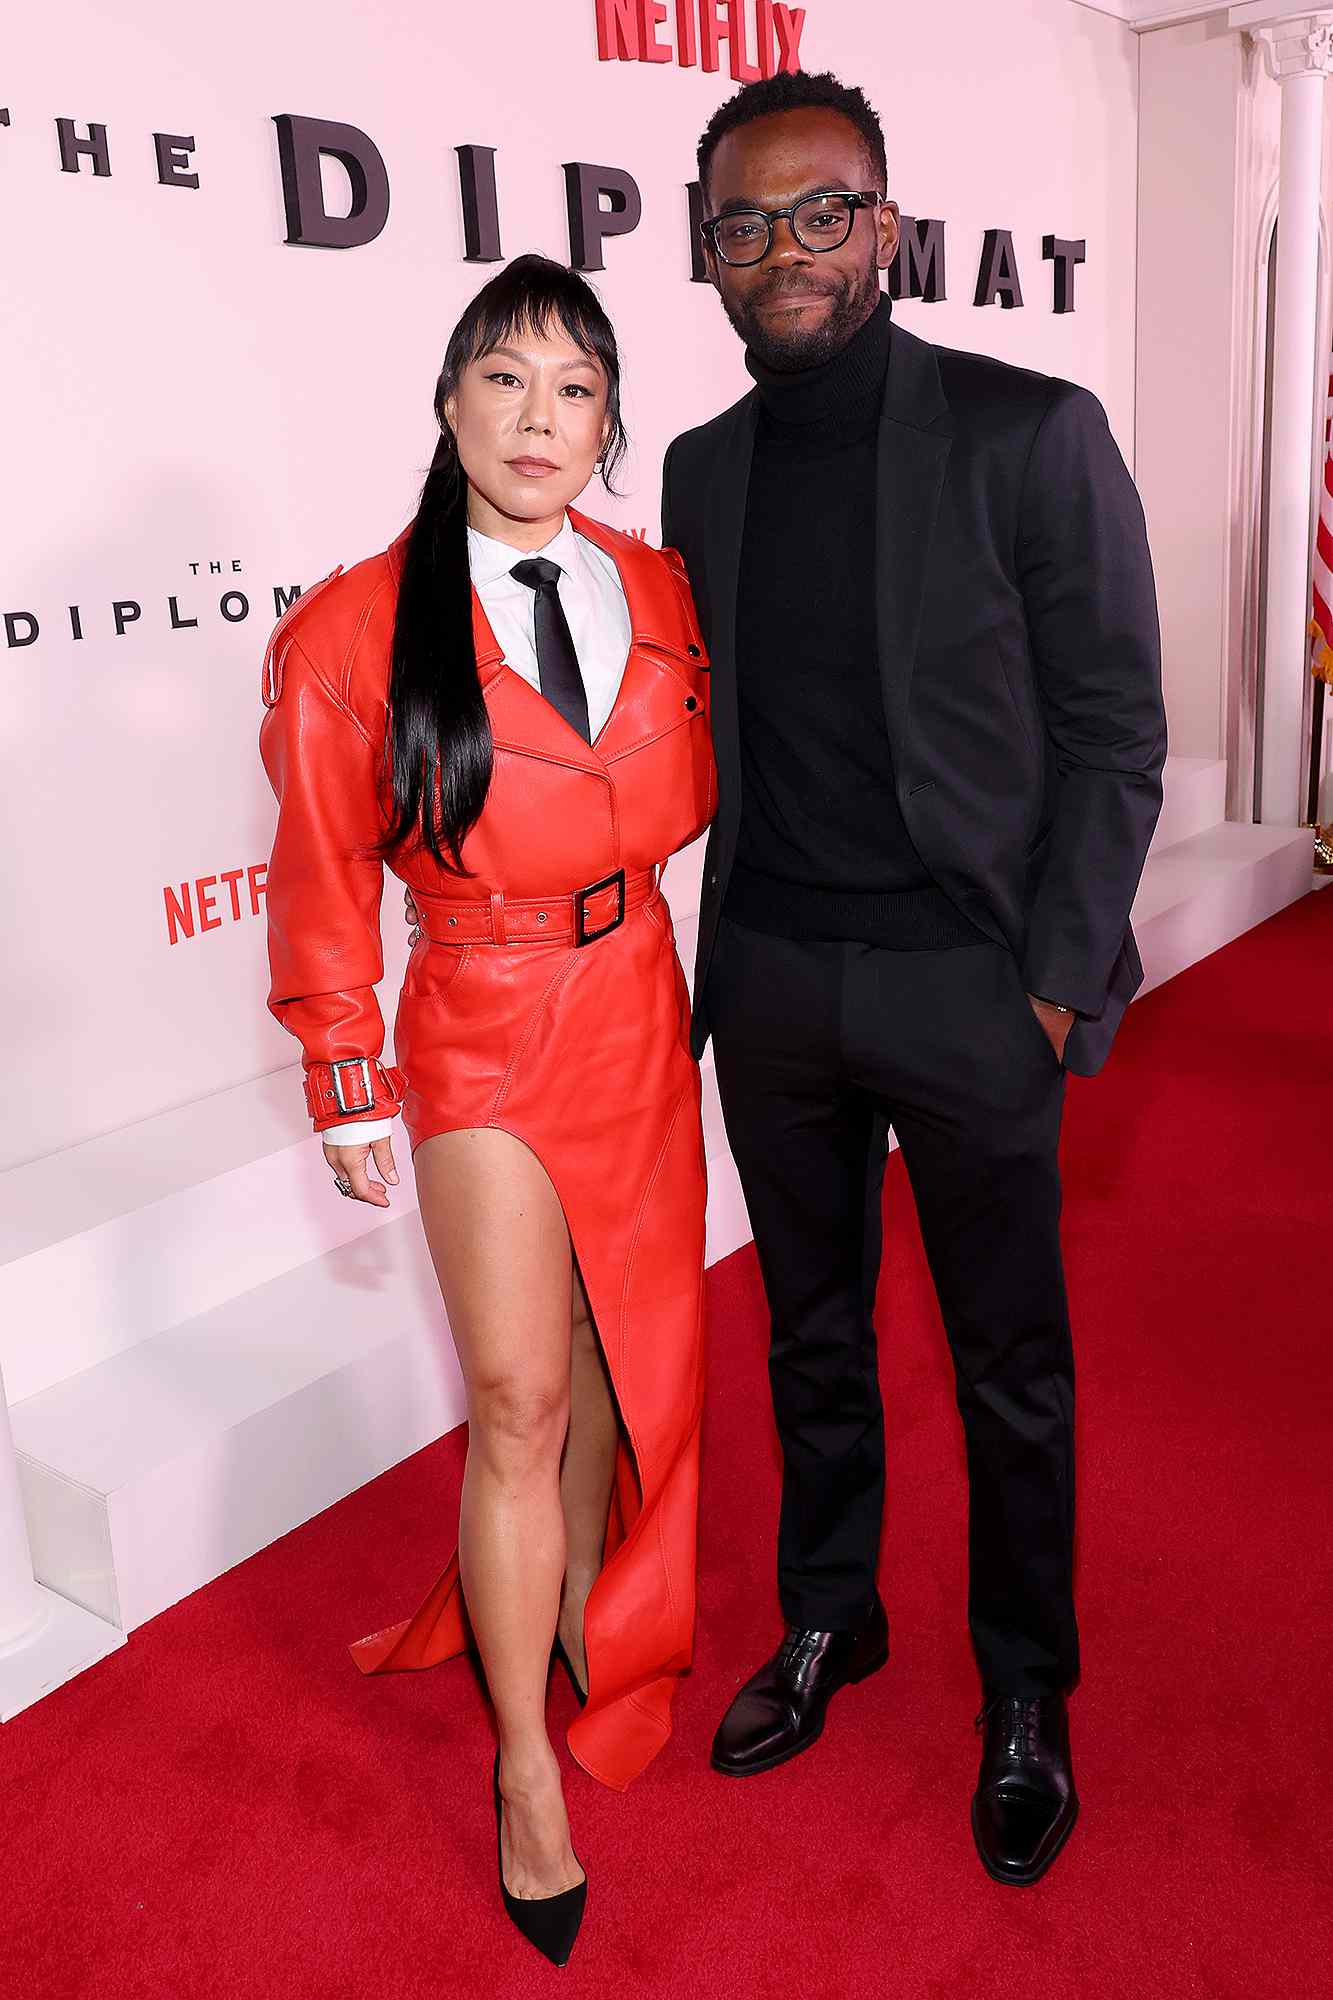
[{"x": 1019, "y": 653}]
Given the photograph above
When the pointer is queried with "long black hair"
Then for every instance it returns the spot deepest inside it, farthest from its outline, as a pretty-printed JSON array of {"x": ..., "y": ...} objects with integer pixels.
[{"x": 439, "y": 728}]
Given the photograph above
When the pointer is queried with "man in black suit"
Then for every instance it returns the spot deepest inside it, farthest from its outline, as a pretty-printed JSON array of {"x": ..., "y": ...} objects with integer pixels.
[{"x": 928, "y": 599}]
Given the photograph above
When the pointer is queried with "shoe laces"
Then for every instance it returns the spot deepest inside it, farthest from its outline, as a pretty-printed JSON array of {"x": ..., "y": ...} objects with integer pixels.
[
  {"x": 1020, "y": 1720},
  {"x": 797, "y": 1650}
]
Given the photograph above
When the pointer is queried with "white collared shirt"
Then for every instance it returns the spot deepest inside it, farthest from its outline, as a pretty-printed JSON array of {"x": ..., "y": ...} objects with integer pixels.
[{"x": 592, "y": 598}]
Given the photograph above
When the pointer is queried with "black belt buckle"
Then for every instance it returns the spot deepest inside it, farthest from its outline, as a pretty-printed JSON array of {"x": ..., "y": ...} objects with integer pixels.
[{"x": 582, "y": 935}]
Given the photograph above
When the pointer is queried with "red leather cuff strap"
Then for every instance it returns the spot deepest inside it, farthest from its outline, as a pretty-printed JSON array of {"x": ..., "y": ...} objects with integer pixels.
[{"x": 353, "y": 1087}]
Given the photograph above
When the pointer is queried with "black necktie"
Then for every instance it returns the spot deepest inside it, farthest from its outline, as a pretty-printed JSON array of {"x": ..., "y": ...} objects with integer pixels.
[{"x": 557, "y": 662}]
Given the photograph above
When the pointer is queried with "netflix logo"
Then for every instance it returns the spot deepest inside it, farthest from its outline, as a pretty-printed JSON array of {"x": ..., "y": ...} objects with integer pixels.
[
  {"x": 633, "y": 31},
  {"x": 210, "y": 901}
]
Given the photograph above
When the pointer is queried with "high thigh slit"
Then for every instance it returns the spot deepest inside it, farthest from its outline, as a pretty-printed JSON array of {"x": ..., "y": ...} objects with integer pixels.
[
  {"x": 645, "y": 1300},
  {"x": 572, "y": 1036}
]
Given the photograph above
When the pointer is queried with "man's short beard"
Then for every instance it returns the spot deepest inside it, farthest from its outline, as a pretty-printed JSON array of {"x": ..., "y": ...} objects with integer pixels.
[{"x": 855, "y": 298}]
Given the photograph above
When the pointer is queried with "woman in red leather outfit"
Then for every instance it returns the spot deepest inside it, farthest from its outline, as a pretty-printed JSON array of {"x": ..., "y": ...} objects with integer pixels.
[{"x": 541, "y": 1035}]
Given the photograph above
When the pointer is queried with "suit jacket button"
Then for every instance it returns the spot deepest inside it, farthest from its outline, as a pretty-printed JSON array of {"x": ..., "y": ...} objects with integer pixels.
[
  {"x": 696, "y": 652},
  {"x": 690, "y": 702}
]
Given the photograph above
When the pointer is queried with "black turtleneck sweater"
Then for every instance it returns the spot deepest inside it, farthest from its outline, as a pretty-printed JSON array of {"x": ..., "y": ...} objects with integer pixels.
[{"x": 823, "y": 851}]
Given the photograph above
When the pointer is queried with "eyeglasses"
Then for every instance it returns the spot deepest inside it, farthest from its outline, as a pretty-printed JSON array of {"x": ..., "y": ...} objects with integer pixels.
[{"x": 820, "y": 222}]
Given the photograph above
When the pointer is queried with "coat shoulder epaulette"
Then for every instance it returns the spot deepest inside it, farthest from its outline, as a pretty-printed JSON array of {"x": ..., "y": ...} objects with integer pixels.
[{"x": 329, "y": 620}]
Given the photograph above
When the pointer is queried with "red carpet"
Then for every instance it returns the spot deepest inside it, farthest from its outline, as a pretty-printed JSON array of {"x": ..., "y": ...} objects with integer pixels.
[{"x": 226, "y": 1808}]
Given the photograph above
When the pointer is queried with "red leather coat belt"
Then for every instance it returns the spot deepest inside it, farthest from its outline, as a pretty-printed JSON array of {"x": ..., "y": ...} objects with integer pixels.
[{"x": 579, "y": 919}]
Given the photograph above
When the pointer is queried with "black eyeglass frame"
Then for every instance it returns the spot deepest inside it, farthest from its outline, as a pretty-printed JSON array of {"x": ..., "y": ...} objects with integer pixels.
[{"x": 708, "y": 228}]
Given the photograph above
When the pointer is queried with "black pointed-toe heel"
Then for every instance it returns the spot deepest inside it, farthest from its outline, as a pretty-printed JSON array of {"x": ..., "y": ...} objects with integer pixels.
[
  {"x": 549, "y": 1922},
  {"x": 558, "y": 1653}
]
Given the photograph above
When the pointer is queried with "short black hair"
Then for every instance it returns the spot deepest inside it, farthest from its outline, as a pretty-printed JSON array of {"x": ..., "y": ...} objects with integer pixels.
[{"x": 801, "y": 90}]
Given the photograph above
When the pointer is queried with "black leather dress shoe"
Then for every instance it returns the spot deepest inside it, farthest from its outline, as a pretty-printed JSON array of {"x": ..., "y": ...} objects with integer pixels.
[
  {"x": 780, "y": 1711},
  {"x": 1025, "y": 1804}
]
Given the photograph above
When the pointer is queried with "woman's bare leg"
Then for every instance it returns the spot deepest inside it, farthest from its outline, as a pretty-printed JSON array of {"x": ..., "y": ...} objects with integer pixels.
[
  {"x": 501, "y": 1251},
  {"x": 586, "y": 1475}
]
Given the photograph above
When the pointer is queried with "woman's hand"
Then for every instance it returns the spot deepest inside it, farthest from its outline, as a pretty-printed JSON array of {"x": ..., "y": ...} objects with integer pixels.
[
  {"x": 410, "y": 912},
  {"x": 352, "y": 1163}
]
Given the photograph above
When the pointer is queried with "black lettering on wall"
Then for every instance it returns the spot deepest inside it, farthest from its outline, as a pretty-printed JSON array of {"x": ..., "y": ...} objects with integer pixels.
[
  {"x": 917, "y": 271},
  {"x": 589, "y": 222},
  {"x": 73, "y": 148},
  {"x": 173, "y": 160},
  {"x": 15, "y": 637},
  {"x": 179, "y": 624},
  {"x": 238, "y": 599},
  {"x": 1065, "y": 253},
  {"x": 125, "y": 611},
  {"x": 998, "y": 276},
  {"x": 283, "y": 598},
  {"x": 481, "y": 206},
  {"x": 301, "y": 141}
]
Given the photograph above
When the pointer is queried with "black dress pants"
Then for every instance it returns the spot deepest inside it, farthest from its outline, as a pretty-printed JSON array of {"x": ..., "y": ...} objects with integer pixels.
[{"x": 820, "y": 1048}]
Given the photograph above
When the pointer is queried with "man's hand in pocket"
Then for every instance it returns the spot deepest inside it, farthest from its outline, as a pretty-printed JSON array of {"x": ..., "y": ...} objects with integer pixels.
[{"x": 1056, "y": 1023}]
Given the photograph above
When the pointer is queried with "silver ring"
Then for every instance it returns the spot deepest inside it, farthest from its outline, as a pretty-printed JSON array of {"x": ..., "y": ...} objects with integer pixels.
[{"x": 343, "y": 1185}]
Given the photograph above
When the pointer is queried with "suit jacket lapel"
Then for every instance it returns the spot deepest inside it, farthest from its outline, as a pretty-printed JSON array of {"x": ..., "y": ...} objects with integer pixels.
[
  {"x": 731, "y": 486},
  {"x": 915, "y": 433}
]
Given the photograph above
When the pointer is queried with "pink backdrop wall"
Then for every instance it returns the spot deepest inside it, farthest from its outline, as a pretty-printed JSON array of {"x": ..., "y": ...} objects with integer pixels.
[{"x": 182, "y": 388}]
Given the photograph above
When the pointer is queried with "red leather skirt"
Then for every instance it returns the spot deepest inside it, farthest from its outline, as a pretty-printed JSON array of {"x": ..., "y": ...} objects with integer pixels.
[{"x": 582, "y": 1054}]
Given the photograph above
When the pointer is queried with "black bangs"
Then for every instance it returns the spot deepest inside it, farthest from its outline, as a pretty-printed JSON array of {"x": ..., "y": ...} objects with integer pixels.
[{"x": 536, "y": 293}]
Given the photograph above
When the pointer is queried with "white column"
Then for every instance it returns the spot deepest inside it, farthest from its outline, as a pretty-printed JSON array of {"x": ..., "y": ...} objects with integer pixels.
[
  {"x": 22, "y": 1609},
  {"x": 1299, "y": 54}
]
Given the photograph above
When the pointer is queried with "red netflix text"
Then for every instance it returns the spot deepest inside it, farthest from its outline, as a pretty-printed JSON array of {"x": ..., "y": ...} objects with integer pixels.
[
  {"x": 633, "y": 31},
  {"x": 210, "y": 901}
]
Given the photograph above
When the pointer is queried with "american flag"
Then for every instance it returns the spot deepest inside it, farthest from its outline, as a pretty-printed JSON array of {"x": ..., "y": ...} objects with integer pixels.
[
  {"x": 1321, "y": 641},
  {"x": 1321, "y": 623}
]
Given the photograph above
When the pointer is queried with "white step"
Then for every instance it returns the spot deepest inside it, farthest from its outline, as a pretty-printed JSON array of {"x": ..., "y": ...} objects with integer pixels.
[
  {"x": 108, "y": 1243},
  {"x": 1199, "y": 894},
  {"x": 166, "y": 1464},
  {"x": 162, "y": 1466},
  {"x": 1194, "y": 797}
]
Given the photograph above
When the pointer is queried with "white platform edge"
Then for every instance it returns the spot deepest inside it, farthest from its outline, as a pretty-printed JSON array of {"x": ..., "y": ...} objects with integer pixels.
[
  {"x": 70, "y": 1640},
  {"x": 96, "y": 1518},
  {"x": 1204, "y": 893}
]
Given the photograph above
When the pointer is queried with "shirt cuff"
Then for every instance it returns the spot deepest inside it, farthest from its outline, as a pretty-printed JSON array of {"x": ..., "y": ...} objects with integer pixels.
[{"x": 358, "y": 1133}]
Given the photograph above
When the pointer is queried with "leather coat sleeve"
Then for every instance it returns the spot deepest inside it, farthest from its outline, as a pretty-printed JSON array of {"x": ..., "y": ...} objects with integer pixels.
[
  {"x": 1091, "y": 610},
  {"x": 324, "y": 879}
]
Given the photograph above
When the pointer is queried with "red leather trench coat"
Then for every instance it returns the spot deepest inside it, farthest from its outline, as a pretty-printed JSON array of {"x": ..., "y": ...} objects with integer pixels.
[{"x": 580, "y": 1051}]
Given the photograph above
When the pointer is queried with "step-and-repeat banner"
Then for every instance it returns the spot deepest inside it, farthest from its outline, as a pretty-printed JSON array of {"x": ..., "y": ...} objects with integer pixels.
[{"x": 234, "y": 241}]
